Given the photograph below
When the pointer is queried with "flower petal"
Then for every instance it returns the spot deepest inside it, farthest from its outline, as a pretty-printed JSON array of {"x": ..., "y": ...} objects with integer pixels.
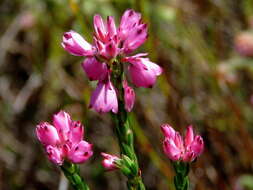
[
  {"x": 80, "y": 152},
  {"x": 94, "y": 69},
  {"x": 54, "y": 154},
  {"x": 104, "y": 98},
  {"x": 76, "y": 45},
  {"x": 47, "y": 134}
]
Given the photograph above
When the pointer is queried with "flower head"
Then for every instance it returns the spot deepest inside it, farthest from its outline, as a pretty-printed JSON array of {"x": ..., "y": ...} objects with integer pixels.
[
  {"x": 177, "y": 149},
  {"x": 110, "y": 47},
  {"x": 64, "y": 140}
]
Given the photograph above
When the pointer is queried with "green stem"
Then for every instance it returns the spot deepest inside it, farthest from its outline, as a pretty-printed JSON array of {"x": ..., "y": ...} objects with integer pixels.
[
  {"x": 123, "y": 130},
  {"x": 72, "y": 173},
  {"x": 181, "y": 179}
]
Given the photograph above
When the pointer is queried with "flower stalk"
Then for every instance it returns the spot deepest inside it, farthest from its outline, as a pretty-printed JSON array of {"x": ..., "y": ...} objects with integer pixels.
[
  {"x": 123, "y": 130},
  {"x": 181, "y": 179},
  {"x": 72, "y": 173}
]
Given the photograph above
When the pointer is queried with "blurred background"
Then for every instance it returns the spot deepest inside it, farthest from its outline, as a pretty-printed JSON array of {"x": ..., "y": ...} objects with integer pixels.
[{"x": 206, "y": 50}]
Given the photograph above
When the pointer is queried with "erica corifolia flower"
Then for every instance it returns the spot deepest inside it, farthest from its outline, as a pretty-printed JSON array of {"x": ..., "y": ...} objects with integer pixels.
[
  {"x": 177, "y": 149},
  {"x": 143, "y": 72},
  {"x": 111, "y": 45},
  {"x": 108, "y": 161},
  {"x": 181, "y": 152},
  {"x": 64, "y": 140},
  {"x": 76, "y": 45},
  {"x": 104, "y": 98},
  {"x": 129, "y": 96}
]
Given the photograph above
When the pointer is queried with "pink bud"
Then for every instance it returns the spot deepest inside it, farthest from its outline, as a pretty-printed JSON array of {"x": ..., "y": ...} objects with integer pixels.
[
  {"x": 177, "y": 149},
  {"x": 81, "y": 152},
  {"x": 109, "y": 161},
  {"x": 129, "y": 96},
  {"x": 104, "y": 98},
  {"x": 168, "y": 131},
  {"x": 76, "y": 45},
  {"x": 197, "y": 146},
  {"x": 179, "y": 141},
  {"x": 62, "y": 123},
  {"x": 189, "y": 156},
  {"x": 111, "y": 27},
  {"x": 171, "y": 150},
  {"x": 143, "y": 72},
  {"x": 94, "y": 69},
  {"x": 76, "y": 132},
  {"x": 100, "y": 30},
  {"x": 189, "y": 137},
  {"x": 54, "y": 154},
  {"x": 47, "y": 134}
]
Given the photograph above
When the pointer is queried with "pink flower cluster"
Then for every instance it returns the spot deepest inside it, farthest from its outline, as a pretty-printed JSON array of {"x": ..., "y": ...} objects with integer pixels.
[
  {"x": 64, "y": 140},
  {"x": 177, "y": 149},
  {"x": 110, "y": 43}
]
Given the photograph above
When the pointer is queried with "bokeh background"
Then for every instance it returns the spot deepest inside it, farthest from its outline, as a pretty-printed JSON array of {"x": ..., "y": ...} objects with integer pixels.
[{"x": 206, "y": 50}]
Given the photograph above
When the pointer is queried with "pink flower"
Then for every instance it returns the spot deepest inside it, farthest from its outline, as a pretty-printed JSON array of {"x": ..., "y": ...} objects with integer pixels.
[
  {"x": 105, "y": 38},
  {"x": 80, "y": 152},
  {"x": 109, "y": 45},
  {"x": 129, "y": 20},
  {"x": 47, "y": 134},
  {"x": 54, "y": 154},
  {"x": 143, "y": 72},
  {"x": 62, "y": 123},
  {"x": 76, "y": 45},
  {"x": 132, "y": 32},
  {"x": 64, "y": 140},
  {"x": 177, "y": 149},
  {"x": 104, "y": 98},
  {"x": 108, "y": 40},
  {"x": 94, "y": 69},
  {"x": 129, "y": 96},
  {"x": 109, "y": 161}
]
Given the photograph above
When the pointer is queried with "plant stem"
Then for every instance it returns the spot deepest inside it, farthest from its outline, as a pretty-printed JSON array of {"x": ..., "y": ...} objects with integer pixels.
[
  {"x": 123, "y": 130},
  {"x": 181, "y": 179},
  {"x": 72, "y": 173}
]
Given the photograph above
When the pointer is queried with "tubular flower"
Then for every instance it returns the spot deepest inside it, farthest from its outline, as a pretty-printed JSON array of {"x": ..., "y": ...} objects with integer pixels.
[
  {"x": 112, "y": 44},
  {"x": 64, "y": 140},
  {"x": 178, "y": 149},
  {"x": 129, "y": 96},
  {"x": 109, "y": 161},
  {"x": 76, "y": 45},
  {"x": 104, "y": 98},
  {"x": 142, "y": 71}
]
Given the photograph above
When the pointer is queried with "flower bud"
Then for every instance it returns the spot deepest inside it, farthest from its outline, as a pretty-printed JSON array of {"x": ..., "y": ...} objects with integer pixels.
[
  {"x": 129, "y": 96},
  {"x": 47, "y": 134},
  {"x": 109, "y": 161},
  {"x": 76, "y": 45}
]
